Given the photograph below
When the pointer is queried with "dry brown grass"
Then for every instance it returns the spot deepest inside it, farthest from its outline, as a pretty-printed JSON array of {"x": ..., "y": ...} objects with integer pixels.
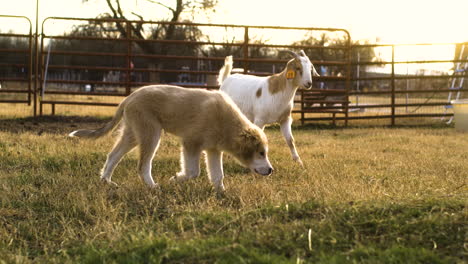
[{"x": 366, "y": 193}]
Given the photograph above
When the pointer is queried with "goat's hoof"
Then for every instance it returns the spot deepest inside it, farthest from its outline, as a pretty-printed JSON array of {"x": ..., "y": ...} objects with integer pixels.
[
  {"x": 298, "y": 160},
  {"x": 109, "y": 182},
  {"x": 220, "y": 189},
  {"x": 155, "y": 187}
]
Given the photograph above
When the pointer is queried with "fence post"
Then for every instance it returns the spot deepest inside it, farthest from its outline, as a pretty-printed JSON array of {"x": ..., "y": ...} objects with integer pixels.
[
  {"x": 246, "y": 50},
  {"x": 393, "y": 86},
  {"x": 302, "y": 107},
  {"x": 30, "y": 66},
  {"x": 348, "y": 77},
  {"x": 128, "y": 79},
  {"x": 36, "y": 63},
  {"x": 41, "y": 71}
]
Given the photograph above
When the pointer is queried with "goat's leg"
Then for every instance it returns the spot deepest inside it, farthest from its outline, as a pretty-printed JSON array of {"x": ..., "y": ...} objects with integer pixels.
[{"x": 286, "y": 130}]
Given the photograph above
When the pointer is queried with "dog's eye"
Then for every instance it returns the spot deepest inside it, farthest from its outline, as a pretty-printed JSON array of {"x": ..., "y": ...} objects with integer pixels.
[
  {"x": 299, "y": 70},
  {"x": 262, "y": 153}
]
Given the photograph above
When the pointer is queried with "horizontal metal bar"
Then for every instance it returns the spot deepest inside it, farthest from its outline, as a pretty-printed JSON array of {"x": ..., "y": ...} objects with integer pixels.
[
  {"x": 404, "y": 92},
  {"x": 187, "y": 42},
  {"x": 13, "y": 35},
  {"x": 13, "y": 64},
  {"x": 339, "y": 47},
  {"x": 194, "y": 24},
  {"x": 201, "y": 43},
  {"x": 14, "y": 79},
  {"x": 97, "y": 68},
  {"x": 85, "y": 38},
  {"x": 324, "y": 110},
  {"x": 321, "y": 101},
  {"x": 322, "y": 91},
  {"x": 78, "y": 103},
  {"x": 354, "y": 46},
  {"x": 397, "y": 105},
  {"x": 14, "y": 101},
  {"x": 312, "y": 109},
  {"x": 406, "y": 62},
  {"x": 374, "y": 117},
  {"x": 15, "y": 50},
  {"x": 407, "y": 77},
  {"x": 83, "y": 93},
  {"x": 80, "y": 53},
  {"x": 13, "y": 91},
  {"x": 83, "y": 82}
]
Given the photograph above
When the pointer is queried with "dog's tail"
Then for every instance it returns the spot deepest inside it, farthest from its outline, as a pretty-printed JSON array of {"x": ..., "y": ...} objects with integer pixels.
[
  {"x": 96, "y": 133},
  {"x": 225, "y": 70}
]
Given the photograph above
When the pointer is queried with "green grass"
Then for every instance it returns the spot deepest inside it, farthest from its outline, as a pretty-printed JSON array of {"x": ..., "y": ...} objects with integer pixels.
[{"x": 367, "y": 195}]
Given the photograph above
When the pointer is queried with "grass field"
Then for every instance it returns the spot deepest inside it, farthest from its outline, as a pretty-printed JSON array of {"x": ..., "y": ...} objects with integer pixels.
[{"x": 367, "y": 195}]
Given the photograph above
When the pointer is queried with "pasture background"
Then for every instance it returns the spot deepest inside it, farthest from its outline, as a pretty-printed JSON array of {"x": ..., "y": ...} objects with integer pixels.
[{"x": 367, "y": 195}]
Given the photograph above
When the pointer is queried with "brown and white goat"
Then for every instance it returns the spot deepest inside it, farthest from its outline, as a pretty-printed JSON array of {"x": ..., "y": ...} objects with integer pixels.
[{"x": 270, "y": 99}]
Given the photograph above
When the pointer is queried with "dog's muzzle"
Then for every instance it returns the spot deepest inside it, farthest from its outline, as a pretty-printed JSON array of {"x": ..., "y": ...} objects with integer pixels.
[{"x": 264, "y": 171}]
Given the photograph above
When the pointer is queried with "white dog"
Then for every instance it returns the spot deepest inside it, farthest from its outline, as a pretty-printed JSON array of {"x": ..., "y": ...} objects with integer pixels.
[{"x": 204, "y": 120}]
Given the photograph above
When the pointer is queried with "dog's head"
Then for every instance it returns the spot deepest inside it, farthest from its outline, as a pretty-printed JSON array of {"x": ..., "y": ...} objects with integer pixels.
[{"x": 252, "y": 151}]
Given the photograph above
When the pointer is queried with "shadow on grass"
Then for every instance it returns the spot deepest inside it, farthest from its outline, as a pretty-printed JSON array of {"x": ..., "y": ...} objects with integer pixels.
[
  {"x": 49, "y": 124},
  {"x": 66, "y": 124}
]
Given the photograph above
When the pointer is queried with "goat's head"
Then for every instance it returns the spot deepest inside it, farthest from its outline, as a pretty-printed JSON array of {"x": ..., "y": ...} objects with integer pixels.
[{"x": 301, "y": 69}]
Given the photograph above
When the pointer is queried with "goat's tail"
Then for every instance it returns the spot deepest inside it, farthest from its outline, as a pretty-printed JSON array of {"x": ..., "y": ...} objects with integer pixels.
[
  {"x": 225, "y": 70},
  {"x": 96, "y": 133}
]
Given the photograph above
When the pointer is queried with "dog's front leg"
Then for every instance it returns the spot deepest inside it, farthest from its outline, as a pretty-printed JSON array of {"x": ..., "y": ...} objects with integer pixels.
[
  {"x": 189, "y": 164},
  {"x": 214, "y": 164}
]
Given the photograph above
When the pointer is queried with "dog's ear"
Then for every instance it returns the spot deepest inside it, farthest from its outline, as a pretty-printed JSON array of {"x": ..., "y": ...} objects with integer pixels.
[
  {"x": 248, "y": 143},
  {"x": 248, "y": 135}
]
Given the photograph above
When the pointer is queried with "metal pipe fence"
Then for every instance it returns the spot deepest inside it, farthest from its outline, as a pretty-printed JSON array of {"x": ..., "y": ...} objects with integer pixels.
[
  {"x": 136, "y": 66},
  {"x": 16, "y": 70},
  {"x": 85, "y": 69},
  {"x": 419, "y": 94}
]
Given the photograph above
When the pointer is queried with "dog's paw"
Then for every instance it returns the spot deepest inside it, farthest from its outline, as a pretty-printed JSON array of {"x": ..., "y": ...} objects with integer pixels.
[
  {"x": 175, "y": 179},
  {"x": 180, "y": 177}
]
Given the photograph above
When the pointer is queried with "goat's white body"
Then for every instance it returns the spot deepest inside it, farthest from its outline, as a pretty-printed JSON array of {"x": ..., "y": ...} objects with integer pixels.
[
  {"x": 268, "y": 100},
  {"x": 261, "y": 110}
]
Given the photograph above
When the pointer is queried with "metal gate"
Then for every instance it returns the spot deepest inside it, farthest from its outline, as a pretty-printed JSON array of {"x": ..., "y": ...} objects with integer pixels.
[
  {"x": 94, "y": 67},
  {"x": 16, "y": 63}
]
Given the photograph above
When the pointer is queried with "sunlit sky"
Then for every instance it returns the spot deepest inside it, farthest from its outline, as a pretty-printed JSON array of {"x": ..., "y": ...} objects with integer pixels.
[
  {"x": 384, "y": 21},
  {"x": 391, "y": 21}
]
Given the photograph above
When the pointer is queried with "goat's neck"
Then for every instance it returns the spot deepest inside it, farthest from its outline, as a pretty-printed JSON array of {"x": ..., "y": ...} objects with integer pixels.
[{"x": 279, "y": 85}]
